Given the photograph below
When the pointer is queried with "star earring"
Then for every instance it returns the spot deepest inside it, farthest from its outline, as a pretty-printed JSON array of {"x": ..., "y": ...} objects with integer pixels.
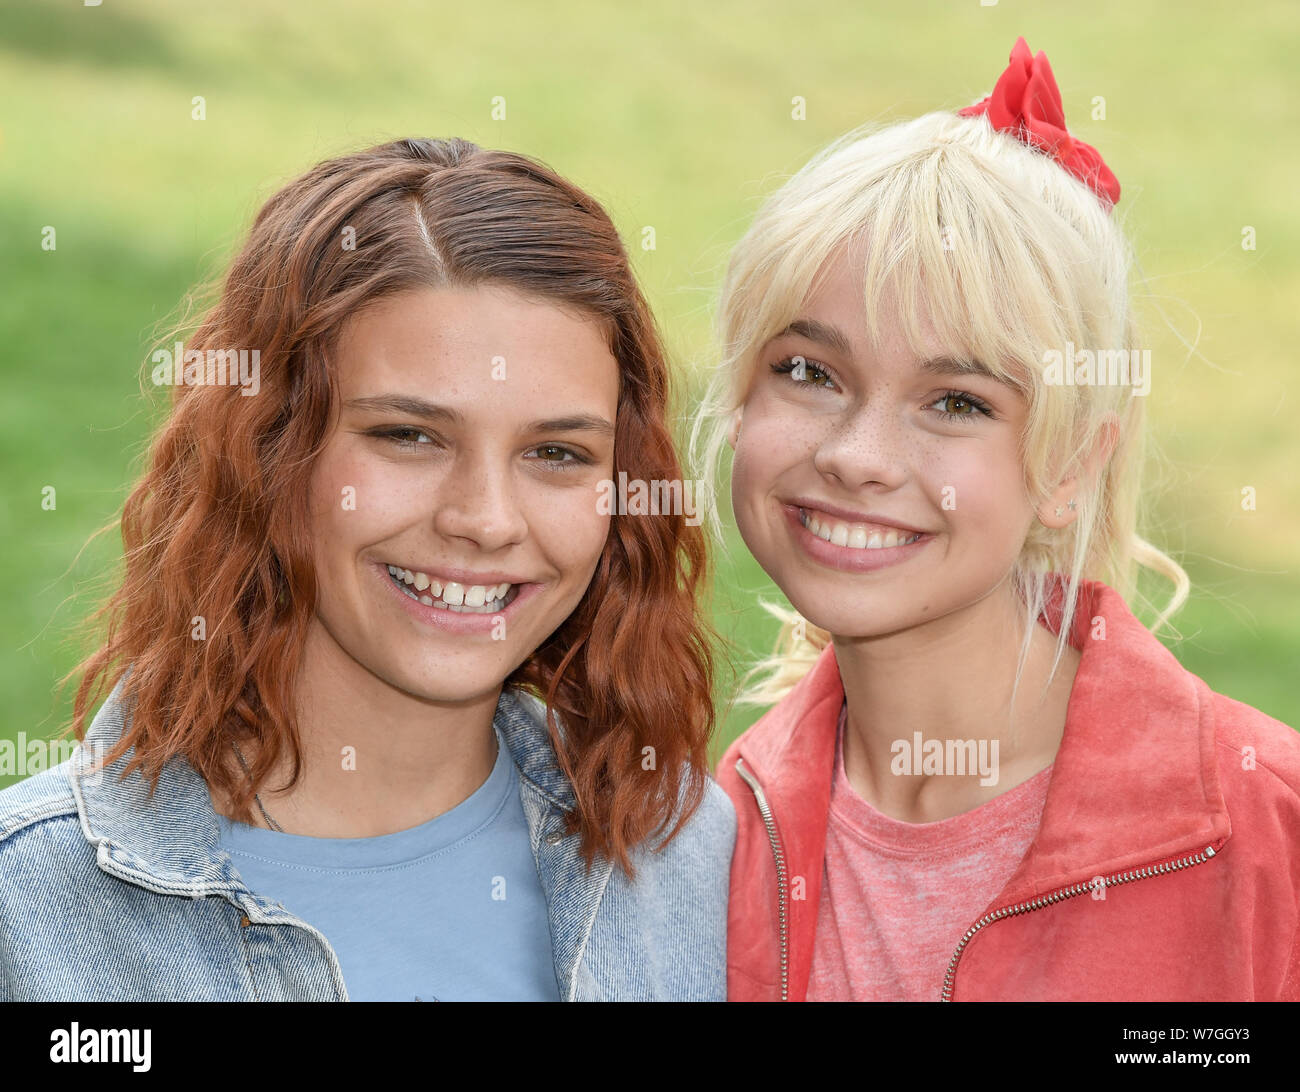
[{"x": 1072, "y": 505}]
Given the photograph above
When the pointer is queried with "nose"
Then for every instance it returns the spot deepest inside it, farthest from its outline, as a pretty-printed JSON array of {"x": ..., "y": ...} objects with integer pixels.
[
  {"x": 477, "y": 502},
  {"x": 864, "y": 447}
]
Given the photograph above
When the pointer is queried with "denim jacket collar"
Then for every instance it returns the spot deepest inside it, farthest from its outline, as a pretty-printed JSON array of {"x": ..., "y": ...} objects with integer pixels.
[{"x": 170, "y": 843}]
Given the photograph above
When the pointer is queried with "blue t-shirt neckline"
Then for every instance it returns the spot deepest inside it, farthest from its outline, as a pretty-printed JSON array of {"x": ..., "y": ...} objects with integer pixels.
[{"x": 437, "y": 835}]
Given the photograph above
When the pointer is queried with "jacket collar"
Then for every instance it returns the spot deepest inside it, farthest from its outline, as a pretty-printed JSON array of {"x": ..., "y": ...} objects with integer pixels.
[
  {"x": 1135, "y": 779},
  {"x": 170, "y": 842}
]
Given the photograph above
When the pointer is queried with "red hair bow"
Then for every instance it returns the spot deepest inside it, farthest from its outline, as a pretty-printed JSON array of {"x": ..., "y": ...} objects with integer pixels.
[{"x": 1027, "y": 103}]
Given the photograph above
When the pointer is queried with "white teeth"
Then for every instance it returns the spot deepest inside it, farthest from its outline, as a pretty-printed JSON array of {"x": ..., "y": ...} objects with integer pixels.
[
  {"x": 855, "y": 535},
  {"x": 458, "y": 597}
]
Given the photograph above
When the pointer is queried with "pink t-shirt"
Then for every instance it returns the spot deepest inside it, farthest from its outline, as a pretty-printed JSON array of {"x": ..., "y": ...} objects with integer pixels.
[{"x": 898, "y": 897}]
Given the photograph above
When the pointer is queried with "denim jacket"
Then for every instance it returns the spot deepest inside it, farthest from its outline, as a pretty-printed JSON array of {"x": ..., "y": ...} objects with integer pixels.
[{"x": 106, "y": 895}]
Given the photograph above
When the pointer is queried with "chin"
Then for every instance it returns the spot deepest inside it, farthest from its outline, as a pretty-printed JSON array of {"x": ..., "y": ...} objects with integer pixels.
[
  {"x": 862, "y": 615},
  {"x": 465, "y": 689},
  {"x": 449, "y": 680}
]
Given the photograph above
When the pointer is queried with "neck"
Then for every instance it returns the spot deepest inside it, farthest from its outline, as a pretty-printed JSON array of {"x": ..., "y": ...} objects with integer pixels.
[
  {"x": 952, "y": 679},
  {"x": 375, "y": 760}
]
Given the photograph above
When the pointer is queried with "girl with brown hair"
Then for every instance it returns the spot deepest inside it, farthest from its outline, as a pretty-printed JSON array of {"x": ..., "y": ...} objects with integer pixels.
[{"x": 398, "y": 710}]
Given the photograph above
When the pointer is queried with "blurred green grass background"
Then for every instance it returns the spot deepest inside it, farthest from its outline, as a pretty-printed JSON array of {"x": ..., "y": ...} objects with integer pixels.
[{"x": 679, "y": 118}]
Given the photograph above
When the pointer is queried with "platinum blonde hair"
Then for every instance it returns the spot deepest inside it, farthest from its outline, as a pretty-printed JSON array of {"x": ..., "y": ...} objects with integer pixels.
[{"x": 1007, "y": 255}]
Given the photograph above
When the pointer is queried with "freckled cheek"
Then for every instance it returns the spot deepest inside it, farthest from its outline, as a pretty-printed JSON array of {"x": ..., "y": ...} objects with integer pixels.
[
  {"x": 356, "y": 502},
  {"x": 770, "y": 445}
]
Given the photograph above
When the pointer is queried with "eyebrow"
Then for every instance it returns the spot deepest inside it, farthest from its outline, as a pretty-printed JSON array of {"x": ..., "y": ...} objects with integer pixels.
[
  {"x": 431, "y": 411},
  {"x": 825, "y": 334},
  {"x": 951, "y": 365},
  {"x": 820, "y": 332}
]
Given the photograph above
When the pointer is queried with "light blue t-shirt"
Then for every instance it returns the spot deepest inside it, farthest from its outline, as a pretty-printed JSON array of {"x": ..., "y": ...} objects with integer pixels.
[{"x": 451, "y": 910}]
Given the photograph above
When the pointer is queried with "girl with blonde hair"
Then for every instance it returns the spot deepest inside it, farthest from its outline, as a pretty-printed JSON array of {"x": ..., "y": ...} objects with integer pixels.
[{"x": 983, "y": 777}]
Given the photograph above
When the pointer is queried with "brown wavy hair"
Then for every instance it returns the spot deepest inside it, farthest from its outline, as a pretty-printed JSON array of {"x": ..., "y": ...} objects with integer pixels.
[{"x": 218, "y": 524}]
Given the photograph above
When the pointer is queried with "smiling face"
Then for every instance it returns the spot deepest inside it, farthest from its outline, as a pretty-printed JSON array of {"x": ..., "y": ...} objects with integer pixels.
[
  {"x": 878, "y": 490},
  {"x": 454, "y": 506}
]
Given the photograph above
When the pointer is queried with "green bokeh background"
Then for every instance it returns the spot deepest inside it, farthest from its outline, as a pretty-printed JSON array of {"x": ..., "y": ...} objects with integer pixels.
[{"x": 678, "y": 118}]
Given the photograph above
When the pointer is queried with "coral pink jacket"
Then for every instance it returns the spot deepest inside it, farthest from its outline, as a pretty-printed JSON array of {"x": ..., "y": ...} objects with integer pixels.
[{"x": 1166, "y": 865}]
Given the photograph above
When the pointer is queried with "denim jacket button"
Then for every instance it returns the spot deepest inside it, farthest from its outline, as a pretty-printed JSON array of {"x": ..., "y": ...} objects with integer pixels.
[{"x": 555, "y": 838}]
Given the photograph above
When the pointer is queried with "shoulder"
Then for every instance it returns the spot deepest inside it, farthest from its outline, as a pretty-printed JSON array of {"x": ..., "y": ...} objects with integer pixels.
[
  {"x": 662, "y": 933},
  {"x": 1258, "y": 769},
  {"x": 46, "y": 862},
  {"x": 710, "y": 829},
  {"x": 1252, "y": 743},
  {"x": 41, "y": 798},
  {"x": 708, "y": 836},
  {"x": 702, "y": 848}
]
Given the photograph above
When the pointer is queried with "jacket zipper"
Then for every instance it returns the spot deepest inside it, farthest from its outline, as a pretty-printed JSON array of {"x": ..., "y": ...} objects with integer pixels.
[
  {"x": 1157, "y": 868},
  {"x": 782, "y": 901}
]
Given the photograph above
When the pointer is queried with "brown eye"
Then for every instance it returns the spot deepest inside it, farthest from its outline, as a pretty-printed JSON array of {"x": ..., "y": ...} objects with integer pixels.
[
  {"x": 558, "y": 457},
  {"x": 955, "y": 406},
  {"x": 804, "y": 372},
  {"x": 403, "y": 437}
]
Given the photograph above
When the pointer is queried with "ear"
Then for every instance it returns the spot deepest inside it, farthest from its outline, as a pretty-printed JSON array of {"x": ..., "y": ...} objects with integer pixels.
[
  {"x": 733, "y": 432},
  {"x": 1062, "y": 507}
]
